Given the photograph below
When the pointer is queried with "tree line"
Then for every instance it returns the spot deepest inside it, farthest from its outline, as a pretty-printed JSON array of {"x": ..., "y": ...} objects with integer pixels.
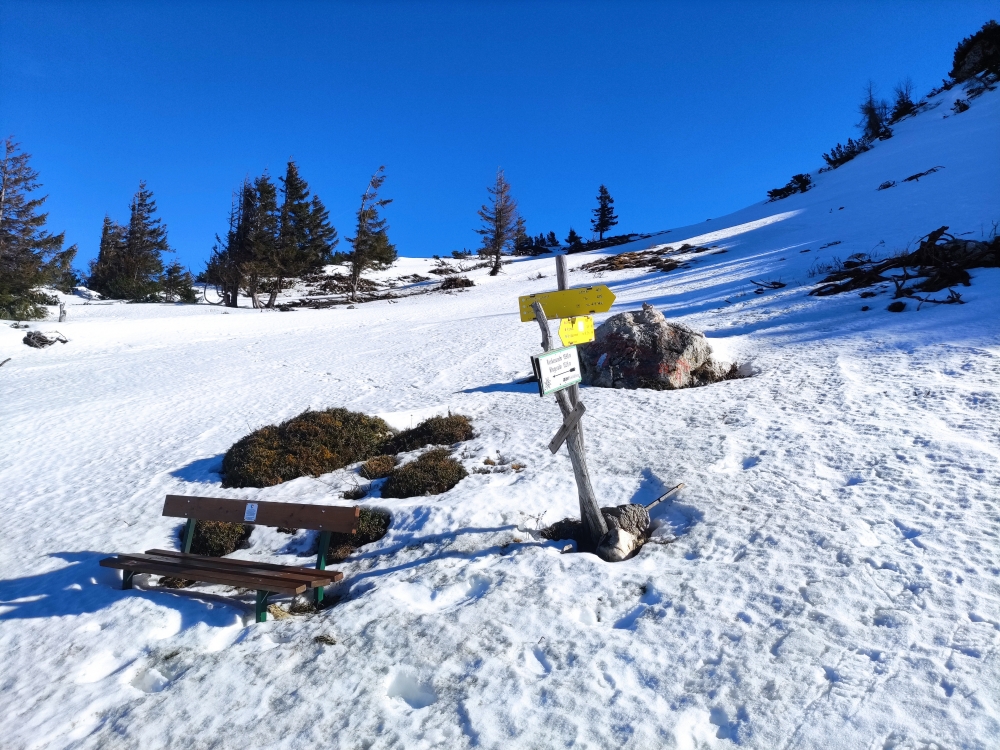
[
  {"x": 276, "y": 233},
  {"x": 504, "y": 232}
]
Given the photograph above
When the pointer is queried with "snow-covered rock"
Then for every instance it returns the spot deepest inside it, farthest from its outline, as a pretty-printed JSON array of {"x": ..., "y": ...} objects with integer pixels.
[
  {"x": 82, "y": 291},
  {"x": 643, "y": 350},
  {"x": 628, "y": 527}
]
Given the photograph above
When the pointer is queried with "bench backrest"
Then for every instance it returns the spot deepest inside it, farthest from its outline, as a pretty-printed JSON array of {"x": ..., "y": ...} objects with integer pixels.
[{"x": 290, "y": 515}]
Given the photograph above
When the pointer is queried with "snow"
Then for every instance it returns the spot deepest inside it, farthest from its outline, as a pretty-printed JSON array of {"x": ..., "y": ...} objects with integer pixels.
[{"x": 828, "y": 578}]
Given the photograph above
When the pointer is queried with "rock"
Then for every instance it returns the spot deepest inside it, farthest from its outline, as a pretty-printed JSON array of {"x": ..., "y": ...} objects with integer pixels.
[
  {"x": 631, "y": 518},
  {"x": 642, "y": 350},
  {"x": 82, "y": 291},
  {"x": 628, "y": 528},
  {"x": 617, "y": 545}
]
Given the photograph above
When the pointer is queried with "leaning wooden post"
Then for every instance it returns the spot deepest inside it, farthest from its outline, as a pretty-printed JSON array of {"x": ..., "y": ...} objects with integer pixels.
[
  {"x": 562, "y": 282},
  {"x": 594, "y": 526}
]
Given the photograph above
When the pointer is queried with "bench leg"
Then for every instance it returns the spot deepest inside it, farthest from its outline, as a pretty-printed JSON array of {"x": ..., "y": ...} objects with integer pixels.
[
  {"x": 127, "y": 576},
  {"x": 188, "y": 536},
  {"x": 262, "y": 605},
  {"x": 324, "y": 545}
]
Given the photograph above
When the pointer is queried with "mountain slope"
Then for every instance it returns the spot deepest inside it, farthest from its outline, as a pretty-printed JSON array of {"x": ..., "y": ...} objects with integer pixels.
[{"x": 827, "y": 579}]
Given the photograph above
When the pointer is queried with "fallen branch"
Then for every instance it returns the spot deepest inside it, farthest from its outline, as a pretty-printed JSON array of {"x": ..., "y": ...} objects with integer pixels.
[
  {"x": 941, "y": 261},
  {"x": 665, "y": 495},
  {"x": 954, "y": 298}
]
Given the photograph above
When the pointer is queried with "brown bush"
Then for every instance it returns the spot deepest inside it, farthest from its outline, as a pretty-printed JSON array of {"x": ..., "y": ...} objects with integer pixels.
[
  {"x": 449, "y": 430},
  {"x": 378, "y": 467},
  {"x": 218, "y": 538},
  {"x": 313, "y": 443},
  {"x": 431, "y": 474},
  {"x": 457, "y": 282},
  {"x": 372, "y": 526}
]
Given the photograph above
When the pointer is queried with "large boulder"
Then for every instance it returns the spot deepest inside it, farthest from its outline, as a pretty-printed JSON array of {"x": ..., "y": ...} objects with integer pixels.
[{"x": 642, "y": 350}]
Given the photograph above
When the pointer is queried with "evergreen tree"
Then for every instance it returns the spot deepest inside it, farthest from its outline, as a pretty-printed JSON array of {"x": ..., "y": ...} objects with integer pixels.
[
  {"x": 29, "y": 256},
  {"x": 129, "y": 261},
  {"x": 263, "y": 225},
  {"x": 177, "y": 284},
  {"x": 371, "y": 246},
  {"x": 874, "y": 116},
  {"x": 305, "y": 238},
  {"x": 604, "y": 214},
  {"x": 501, "y": 222},
  {"x": 977, "y": 53},
  {"x": 573, "y": 240},
  {"x": 551, "y": 240},
  {"x": 903, "y": 104},
  {"x": 226, "y": 265},
  {"x": 108, "y": 263}
]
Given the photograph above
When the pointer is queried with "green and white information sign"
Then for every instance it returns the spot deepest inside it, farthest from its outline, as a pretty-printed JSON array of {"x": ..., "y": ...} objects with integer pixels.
[{"x": 556, "y": 369}]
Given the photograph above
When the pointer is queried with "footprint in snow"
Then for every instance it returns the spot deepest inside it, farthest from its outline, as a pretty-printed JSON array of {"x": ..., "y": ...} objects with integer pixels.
[{"x": 405, "y": 685}]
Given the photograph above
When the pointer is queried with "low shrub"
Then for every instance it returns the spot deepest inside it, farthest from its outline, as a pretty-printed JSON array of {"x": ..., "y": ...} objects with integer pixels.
[
  {"x": 372, "y": 526},
  {"x": 449, "y": 430},
  {"x": 431, "y": 474},
  {"x": 842, "y": 154},
  {"x": 799, "y": 183},
  {"x": 313, "y": 443},
  {"x": 218, "y": 538},
  {"x": 378, "y": 467},
  {"x": 457, "y": 282}
]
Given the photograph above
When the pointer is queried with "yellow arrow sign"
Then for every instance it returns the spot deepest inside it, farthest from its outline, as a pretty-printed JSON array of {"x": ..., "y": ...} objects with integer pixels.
[
  {"x": 579, "y": 330},
  {"x": 568, "y": 303}
]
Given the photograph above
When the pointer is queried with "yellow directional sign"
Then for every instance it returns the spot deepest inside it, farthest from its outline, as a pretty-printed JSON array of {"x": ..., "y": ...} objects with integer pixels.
[
  {"x": 568, "y": 303},
  {"x": 578, "y": 330}
]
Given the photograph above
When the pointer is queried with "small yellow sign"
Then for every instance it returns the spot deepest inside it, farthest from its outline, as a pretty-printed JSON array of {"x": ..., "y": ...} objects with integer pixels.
[
  {"x": 568, "y": 303},
  {"x": 578, "y": 330}
]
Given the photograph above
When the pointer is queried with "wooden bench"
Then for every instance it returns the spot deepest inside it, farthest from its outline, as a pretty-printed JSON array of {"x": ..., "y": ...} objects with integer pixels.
[{"x": 266, "y": 578}]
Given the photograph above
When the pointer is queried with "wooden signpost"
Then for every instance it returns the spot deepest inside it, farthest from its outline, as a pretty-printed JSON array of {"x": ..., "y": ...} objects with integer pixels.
[{"x": 558, "y": 371}]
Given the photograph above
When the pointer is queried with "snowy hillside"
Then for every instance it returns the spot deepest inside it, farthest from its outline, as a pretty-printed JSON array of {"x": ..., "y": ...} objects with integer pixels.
[{"x": 829, "y": 577}]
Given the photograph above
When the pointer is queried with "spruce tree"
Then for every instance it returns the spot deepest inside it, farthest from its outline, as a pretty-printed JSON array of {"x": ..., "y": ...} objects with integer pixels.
[
  {"x": 604, "y": 214},
  {"x": 130, "y": 261},
  {"x": 573, "y": 240},
  {"x": 903, "y": 104},
  {"x": 305, "y": 238},
  {"x": 551, "y": 240},
  {"x": 176, "y": 284},
  {"x": 29, "y": 256},
  {"x": 501, "y": 222},
  {"x": 226, "y": 265},
  {"x": 371, "y": 248},
  {"x": 108, "y": 263},
  {"x": 263, "y": 226}
]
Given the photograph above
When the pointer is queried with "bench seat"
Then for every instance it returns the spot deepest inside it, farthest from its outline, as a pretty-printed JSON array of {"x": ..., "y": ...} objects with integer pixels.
[{"x": 266, "y": 578}]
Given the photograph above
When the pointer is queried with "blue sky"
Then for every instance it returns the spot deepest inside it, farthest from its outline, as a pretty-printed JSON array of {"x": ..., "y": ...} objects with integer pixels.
[{"x": 684, "y": 110}]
